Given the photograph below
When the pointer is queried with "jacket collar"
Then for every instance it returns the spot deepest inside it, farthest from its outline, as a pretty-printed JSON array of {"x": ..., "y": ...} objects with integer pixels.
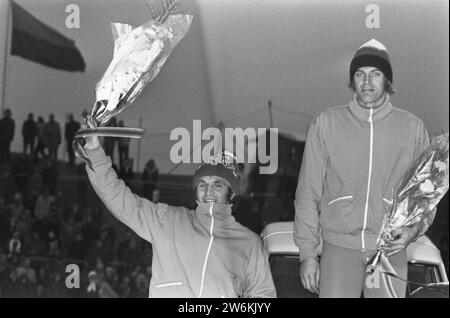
[
  {"x": 363, "y": 113},
  {"x": 220, "y": 211}
]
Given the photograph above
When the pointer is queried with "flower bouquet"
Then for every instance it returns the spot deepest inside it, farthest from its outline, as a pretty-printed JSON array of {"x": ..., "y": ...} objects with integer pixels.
[
  {"x": 422, "y": 187},
  {"x": 139, "y": 54}
]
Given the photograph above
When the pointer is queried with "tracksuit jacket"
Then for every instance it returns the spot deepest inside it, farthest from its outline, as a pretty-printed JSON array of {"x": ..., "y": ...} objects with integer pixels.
[
  {"x": 196, "y": 253},
  {"x": 354, "y": 159}
]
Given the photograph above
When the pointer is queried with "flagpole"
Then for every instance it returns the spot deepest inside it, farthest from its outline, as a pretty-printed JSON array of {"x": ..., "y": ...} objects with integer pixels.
[
  {"x": 5, "y": 39},
  {"x": 138, "y": 155},
  {"x": 270, "y": 113}
]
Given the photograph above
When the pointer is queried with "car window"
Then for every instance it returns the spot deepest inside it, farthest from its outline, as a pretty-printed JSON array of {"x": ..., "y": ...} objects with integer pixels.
[{"x": 285, "y": 273}]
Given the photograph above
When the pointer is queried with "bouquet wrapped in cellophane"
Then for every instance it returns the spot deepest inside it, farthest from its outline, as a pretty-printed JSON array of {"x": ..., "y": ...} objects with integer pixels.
[
  {"x": 422, "y": 187},
  {"x": 139, "y": 54}
]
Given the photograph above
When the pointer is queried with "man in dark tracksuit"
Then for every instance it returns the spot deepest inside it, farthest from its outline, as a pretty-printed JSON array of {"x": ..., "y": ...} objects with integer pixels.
[
  {"x": 355, "y": 155},
  {"x": 196, "y": 253}
]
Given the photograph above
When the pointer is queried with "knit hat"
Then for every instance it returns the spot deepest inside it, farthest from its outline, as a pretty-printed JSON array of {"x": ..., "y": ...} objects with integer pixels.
[
  {"x": 221, "y": 165},
  {"x": 372, "y": 53}
]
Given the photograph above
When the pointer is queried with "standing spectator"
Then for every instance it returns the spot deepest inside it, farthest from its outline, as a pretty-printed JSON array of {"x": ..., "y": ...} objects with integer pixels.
[
  {"x": 126, "y": 171},
  {"x": 40, "y": 147},
  {"x": 7, "y": 126},
  {"x": 71, "y": 128},
  {"x": 110, "y": 142},
  {"x": 52, "y": 136},
  {"x": 124, "y": 146},
  {"x": 149, "y": 178},
  {"x": 29, "y": 134}
]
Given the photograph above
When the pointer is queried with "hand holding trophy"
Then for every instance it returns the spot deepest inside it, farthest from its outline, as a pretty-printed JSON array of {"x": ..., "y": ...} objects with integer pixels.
[{"x": 139, "y": 55}]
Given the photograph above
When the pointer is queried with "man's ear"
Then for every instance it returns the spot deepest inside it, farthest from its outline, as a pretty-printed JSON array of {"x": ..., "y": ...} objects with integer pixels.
[{"x": 231, "y": 195}]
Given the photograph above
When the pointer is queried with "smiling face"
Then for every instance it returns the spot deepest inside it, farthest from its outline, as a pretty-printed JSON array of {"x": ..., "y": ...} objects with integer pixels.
[
  {"x": 369, "y": 87},
  {"x": 212, "y": 189}
]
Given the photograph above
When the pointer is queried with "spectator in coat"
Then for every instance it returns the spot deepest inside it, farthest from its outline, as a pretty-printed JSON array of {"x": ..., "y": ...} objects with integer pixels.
[
  {"x": 71, "y": 128},
  {"x": 40, "y": 147},
  {"x": 149, "y": 178},
  {"x": 7, "y": 127},
  {"x": 52, "y": 136},
  {"x": 29, "y": 134}
]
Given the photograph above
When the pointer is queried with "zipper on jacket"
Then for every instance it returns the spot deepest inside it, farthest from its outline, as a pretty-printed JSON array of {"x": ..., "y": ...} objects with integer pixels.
[
  {"x": 366, "y": 208},
  {"x": 209, "y": 249}
]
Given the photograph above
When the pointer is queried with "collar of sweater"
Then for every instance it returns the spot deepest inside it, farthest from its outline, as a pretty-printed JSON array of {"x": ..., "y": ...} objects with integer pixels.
[
  {"x": 363, "y": 113},
  {"x": 220, "y": 211}
]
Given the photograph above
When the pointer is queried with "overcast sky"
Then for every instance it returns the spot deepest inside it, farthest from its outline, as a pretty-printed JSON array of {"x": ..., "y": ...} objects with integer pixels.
[{"x": 238, "y": 55}]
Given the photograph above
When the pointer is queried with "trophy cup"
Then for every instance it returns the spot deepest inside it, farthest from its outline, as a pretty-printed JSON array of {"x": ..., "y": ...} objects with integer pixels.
[{"x": 139, "y": 54}]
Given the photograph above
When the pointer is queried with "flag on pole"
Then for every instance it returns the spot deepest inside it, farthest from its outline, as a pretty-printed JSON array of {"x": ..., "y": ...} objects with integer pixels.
[{"x": 35, "y": 41}]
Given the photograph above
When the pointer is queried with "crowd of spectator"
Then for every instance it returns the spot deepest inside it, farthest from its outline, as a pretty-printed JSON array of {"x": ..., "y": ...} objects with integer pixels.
[
  {"x": 41, "y": 234},
  {"x": 39, "y": 238}
]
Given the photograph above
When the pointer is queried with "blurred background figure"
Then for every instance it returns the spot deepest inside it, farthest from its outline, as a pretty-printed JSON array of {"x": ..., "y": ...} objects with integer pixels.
[
  {"x": 126, "y": 171},
  {"x": 52, "y": 136},
  {"x": 40, "y": 146},
  {"x": 72, "y": 126},
  {"x": 15, "y": 245},
  {"x": 124, "y": 145},
  {"x": 110, "y": 142},
  {"x": 98, "y": 287},
  {"x": 149, "y": 179},
  {"x": 7, "y": 126},
  {"x": 29, "y": 134}
]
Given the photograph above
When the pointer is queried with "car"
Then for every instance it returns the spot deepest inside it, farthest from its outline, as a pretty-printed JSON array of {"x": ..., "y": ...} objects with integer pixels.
[{"x": 426, "y": 271}]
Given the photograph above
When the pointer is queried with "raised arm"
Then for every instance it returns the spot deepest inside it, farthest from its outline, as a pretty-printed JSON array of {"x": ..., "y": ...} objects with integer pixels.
[{"x": 141, "y": 215}]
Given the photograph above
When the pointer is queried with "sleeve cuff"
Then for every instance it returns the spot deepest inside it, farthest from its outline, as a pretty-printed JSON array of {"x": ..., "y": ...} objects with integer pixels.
[
  {"x": 95, "y": 154},
  {"x": 307, "y": 251}
]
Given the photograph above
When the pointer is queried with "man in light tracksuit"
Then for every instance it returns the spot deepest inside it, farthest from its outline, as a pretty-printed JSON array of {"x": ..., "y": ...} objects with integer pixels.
[
  {"x": 196, "y": 253},
  {"x": 355, "y": 156}
]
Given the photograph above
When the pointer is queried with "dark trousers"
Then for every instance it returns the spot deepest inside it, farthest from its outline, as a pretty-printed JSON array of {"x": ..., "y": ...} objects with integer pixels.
[
  {"x": 123, "y": 154},
  {"x": 28, "y": 143},
  {"x": 40, "y": 149},
  {"x": 53, "y": 152},
  {"x": 5, "y": 152},
  {"x": 70, "y": 153}
]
